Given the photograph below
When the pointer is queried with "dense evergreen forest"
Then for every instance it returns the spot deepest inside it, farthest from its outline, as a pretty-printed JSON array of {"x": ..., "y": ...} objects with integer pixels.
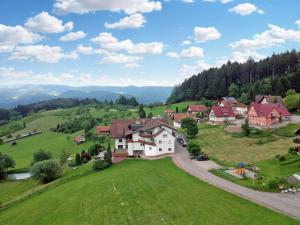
[{"x": 272, "y": 75}]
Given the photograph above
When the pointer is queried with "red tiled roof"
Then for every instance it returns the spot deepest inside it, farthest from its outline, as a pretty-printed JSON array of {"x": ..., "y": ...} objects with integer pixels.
[
  {"x": 122, "y": 128},
  {"x": 197, "y": 108},
  {"x": 265, "y": 109},
  {"x": 223, "y": 111},
  {"x": 77, "y": 138},
  {"x": 169, "y": 111},
  {"x": 102, "y": 129},
  {"x": 180, "y": 116},
  {"x": 271, "y": 99}
]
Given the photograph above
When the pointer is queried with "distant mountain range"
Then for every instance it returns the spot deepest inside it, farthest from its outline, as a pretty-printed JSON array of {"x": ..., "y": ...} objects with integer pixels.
[{"x": 25, "y": 94}]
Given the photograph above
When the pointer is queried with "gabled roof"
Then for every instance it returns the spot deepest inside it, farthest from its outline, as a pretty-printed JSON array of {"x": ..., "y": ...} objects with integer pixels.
[
  {"x": 169, "y": 111},
  {"x": 269, "y": 98},
  {"x": 78, "y": 138},
  {"x": 223, "y": 111},
  {"x": 231, "y": 100},
  {"x": 265, "y": 109},
  {"x": 197, "y": 108},
  {"x": 180, "y": 116},
  {"x": 102, "y": 129},
  {"x": 122, "y": 128}
]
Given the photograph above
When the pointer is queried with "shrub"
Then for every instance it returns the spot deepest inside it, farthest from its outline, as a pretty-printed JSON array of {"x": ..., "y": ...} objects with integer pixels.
[
  {"x": 5, "y": 162},
  {"x": 281, "y": 158},
  {"x": 46, "y": 171},
  {"x": 292, "y": 151},
  {"x": 193, "y": 147},
  {"x": 246, "y": 127},
  {"x": 278, "y": 182},
  {"x": 40, "y": 156},
  {"x": 78, "y": 159},
  {"x": 191, "y": 127},
  {"x": 100, "y": 165},
  {"x": 64, "y": 155}
]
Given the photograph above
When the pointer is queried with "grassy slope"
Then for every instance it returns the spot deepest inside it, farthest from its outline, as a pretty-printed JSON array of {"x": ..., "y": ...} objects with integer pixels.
[
  {"x": 139, "y": 192},
  {"x": 48, "y": 141},
  {"x": 229, "y": 149},
  {"x": 159, "y": 110}
]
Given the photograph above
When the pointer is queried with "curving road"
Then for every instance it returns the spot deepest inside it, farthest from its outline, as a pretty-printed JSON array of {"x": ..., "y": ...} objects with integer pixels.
[{"x": 288, "y": 204}]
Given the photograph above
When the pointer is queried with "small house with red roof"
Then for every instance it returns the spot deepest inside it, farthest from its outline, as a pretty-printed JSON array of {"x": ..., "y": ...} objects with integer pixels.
[
  {"x": 195, "y": 109},
  {"x": 221, "y": 114},
  {"x": 267, "y": 115},
  {"x": 178, "y": 117},
  {"x": 79, "y": 139},
  {"x": 169, "y": 113},
  {"x": 103, "y": 130},
  {"x": 238, "y": 108}
]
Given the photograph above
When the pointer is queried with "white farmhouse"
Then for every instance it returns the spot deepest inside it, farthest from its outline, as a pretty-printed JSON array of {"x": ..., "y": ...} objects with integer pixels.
[{"x": 143, "y": 137}]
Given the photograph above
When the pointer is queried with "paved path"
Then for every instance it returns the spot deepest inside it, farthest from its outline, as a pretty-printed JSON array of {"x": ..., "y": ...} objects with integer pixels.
[{"x": 288, "y": 204}]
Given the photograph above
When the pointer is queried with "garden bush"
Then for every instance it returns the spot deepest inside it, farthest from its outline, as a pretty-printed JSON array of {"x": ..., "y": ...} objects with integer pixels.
[
  {"x": 46, "y": 171},
  {"x": 100, "y": 164},
  {"x": 40, "y": 156}
]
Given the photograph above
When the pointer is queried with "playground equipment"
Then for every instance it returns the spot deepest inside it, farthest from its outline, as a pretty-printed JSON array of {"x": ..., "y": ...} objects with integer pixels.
[{"x": 240, "y": 169}]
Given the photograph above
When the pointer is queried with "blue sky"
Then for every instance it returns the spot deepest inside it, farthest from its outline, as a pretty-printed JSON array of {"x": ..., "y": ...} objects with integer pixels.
[{"x": 129, "y": 42}]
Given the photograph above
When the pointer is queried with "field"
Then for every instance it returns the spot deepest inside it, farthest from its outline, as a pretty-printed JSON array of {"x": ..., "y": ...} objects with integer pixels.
[
  {"x": 228, "y": 149},
  {"x": 138, "y": 192},
  {"x": 48, "y": 141}
]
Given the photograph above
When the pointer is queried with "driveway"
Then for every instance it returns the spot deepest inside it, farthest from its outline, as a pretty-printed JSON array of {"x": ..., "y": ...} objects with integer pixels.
[{"x": 288, "y": 204}]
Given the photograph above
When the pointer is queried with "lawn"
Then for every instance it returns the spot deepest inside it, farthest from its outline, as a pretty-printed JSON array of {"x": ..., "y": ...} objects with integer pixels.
[
  {"x": 229, "y": 150},
  {"x": 138, "y": 192},
  {"x": 48, "y": 141}
]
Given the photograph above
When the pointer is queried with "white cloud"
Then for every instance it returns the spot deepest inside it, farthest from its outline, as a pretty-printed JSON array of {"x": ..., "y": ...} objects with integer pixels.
[
  {"x": 192, "y": 52},
  {"x": 133, "y": 21},
  {"x": 40, "y": 53},
  {"x": 243, "y": 56},
  {"x": 298, "y": 23},
  {"x": 131, "y": 65},
  {"x": 188, "y": 70},
  {"x": 9, "y": 73},
  {"x": 273, "y": 36},
  {"x": 86, "y": 6},
  {"x": 222, "y": 1},
  {"x": 245, "y": 9},
  {"x": 110, "y": 43},
  {"x": 84, "y": 50},
  {"x": 73, "y": 36},
  {"x": 45, "y": 23},
  {"x": 186, "y": 42},
  {"x": 203, "y": 34},
  {"x": 12, "y": 36},
  {"x": 115, "y": 58}
]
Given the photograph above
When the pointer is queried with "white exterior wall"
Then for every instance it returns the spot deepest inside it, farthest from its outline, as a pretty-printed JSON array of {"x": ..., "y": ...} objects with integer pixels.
[
  {"x": 240, "y": 111},
  {"x": 150, "y": 150},
  {"x": 134, "y": 146},
  {"x": 123, "y": 143},
  {"x": 213, "y": 118},
  {"x": 164, "y": 143},
  {"x": 177, "y": 125}
]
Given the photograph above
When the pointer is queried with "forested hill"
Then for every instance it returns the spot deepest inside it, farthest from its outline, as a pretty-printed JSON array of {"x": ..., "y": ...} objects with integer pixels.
[{"x": 273, "y": 75}]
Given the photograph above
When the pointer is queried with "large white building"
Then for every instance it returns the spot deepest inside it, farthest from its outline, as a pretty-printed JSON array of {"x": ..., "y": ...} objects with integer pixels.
[{"x": 143, "y": 137}]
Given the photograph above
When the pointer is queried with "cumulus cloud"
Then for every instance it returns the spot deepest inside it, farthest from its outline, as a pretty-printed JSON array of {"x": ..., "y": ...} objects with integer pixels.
[
  {"x": 86, "y": 6},
  {"x": 192, "y": 52},
  {"x": 115, "y": 58},
  {"x": 222, "y": 1},
  {"x": 108, "y": 42},
  {"x": 245, "y": 9},
  {"x": 188, "y": 1},
  {"x": 12, "y": 36},
  {"x": 45, "y": 23},
  {"x": 273, "y": 36},
  {"x": 41, "y": 53},
  {"x": 189, "y": 70},
  {"x": 73, "y": 36},
  {"x": 84, "y": 50},
  {"x": 133, "y": 21},
  {"x": 203, "y": 34},
  {"x": 298, "y": 23},
  {"x": 186, "y": 42}
]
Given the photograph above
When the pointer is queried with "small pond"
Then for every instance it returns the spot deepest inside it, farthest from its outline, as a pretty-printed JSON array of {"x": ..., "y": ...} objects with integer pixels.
[{"x": 19, "y": 176}]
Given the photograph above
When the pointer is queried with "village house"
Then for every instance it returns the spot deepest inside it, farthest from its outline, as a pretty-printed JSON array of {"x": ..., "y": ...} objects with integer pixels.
[
  {"x": 267, "y": 115},
  {"x": 238, "y": 108},
  {"x": 170, "y": 113},
  {"x": 79, "y": 140},
  {"x": 195, "y": 109},
  {"x": 143, "y": 137},
  {"x": 268, "y": 99},
  {"x": 221, "y": 114},
  {"x": 103, "y": 130},
  {"x": 178, "y": 117}
]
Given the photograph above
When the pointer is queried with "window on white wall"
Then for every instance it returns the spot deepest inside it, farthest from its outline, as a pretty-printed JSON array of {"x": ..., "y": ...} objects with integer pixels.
[
  {"x": 165, "y": 135},
  {"x": 150, "y": 148},
  {"x": 160, "y": 142},
  {"x": 160, "y": 149},
  {"x": 120, "y": 140},
  {"x": 170, "y": 149}
]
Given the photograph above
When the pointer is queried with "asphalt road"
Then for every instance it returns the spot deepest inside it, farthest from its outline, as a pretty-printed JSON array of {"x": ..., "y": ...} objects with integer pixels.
[{"x": 287, "y": 203}]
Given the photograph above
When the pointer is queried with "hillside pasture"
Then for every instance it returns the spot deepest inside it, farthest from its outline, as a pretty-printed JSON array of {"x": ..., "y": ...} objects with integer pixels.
[{"x": 138, "y": 192}]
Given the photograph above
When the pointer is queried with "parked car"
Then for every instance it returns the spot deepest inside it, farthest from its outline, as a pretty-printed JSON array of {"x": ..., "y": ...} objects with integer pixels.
[{"x": 202, "y": 157}]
